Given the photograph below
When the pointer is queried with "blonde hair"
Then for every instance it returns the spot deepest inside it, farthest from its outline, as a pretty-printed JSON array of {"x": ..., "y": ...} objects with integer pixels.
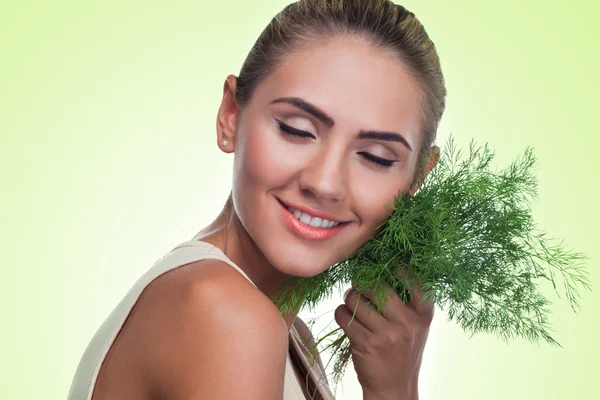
[{"x": 381, "y": 22}]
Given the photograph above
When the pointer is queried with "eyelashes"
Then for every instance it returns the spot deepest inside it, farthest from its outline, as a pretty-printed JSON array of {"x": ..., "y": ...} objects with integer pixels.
[
  {"x": 288, "y": 130},
  {"x": 377, "y": 162}
]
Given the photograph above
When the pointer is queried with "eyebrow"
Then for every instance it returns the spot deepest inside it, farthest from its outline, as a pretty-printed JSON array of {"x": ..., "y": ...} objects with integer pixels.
[
  {"x": 329, "y": 122},
  {"x": 309, "y": 108},
  {"x": 380, "y": 135}
]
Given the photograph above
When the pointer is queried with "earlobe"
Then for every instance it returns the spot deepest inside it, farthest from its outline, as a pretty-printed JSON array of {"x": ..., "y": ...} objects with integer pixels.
[
  {"x": 227, "y": 116},
  {"x": 428, "y": 164}
]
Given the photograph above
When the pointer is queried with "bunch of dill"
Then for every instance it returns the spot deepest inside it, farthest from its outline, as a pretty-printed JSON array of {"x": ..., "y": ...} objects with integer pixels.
[{"x": 467, "y": 237}]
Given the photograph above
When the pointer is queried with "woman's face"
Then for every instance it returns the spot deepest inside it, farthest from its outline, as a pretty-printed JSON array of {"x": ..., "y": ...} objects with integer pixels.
[{"x": 330, "y": 137}]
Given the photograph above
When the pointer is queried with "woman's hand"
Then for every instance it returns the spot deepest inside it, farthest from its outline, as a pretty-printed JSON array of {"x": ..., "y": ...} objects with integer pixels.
[{"x": 386, "y": 348}]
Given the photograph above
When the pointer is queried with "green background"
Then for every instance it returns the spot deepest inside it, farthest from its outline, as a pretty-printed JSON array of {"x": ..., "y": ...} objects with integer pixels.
[{"x": 108, "y": 158}]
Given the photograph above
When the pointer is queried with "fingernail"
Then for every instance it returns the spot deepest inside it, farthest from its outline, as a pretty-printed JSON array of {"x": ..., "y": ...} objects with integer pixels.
[{"x": 346, "y": 293}]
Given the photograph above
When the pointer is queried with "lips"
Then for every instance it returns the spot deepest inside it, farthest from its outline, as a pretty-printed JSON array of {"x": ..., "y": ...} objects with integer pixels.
[
  {"x": 310, "y": 226},
  {"x": 313, "y": 221}
]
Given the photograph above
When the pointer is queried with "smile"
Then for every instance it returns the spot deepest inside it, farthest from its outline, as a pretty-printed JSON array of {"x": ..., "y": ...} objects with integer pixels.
[
  {"x": 309, "y": 226},
  {"x": 312, "y": 221}
]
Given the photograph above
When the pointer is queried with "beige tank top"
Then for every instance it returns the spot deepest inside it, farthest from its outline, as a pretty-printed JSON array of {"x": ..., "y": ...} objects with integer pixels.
[{"x": 187, "y": 252}]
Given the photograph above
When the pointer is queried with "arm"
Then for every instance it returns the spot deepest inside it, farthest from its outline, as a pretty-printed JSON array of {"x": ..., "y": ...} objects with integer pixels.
[
  {"x": 387, "y": 347},
  {"x": 408, "y": 394},
  {"x": 307, "y": 337},
  {"x": 216, "y": 337}
]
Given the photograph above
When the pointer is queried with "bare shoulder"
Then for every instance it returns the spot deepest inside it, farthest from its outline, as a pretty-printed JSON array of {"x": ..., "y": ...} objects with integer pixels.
[{"x": 206, "y": 332}]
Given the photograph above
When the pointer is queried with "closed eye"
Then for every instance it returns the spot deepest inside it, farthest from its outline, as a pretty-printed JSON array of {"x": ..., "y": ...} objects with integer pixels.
[
  {"x": 377, "y": 162},
  {"x": 291, "y": 131}
]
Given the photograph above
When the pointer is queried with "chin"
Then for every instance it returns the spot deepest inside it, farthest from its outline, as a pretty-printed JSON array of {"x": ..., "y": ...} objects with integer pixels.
[{"x": 297, "y": 263}]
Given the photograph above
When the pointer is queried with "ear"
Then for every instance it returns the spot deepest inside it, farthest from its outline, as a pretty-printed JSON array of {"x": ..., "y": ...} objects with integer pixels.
[
  {"x": 427, "y": 165},
  {"x": 227, "y": 116}
]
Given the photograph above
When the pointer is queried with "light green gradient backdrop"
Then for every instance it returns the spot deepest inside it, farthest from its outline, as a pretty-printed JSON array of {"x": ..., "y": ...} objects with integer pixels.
[{"x": 108, "y": 158}]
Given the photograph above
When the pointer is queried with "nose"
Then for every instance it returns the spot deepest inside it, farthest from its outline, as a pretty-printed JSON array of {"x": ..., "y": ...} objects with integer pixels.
[{"x": 325, "y": 176}]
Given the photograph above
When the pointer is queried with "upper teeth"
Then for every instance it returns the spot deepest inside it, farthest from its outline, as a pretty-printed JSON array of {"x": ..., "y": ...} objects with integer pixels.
[{"x": 312, "y": 221}]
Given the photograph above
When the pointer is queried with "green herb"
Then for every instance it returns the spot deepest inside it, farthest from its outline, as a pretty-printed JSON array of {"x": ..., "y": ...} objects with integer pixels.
[{"x": 469, "y": 238}]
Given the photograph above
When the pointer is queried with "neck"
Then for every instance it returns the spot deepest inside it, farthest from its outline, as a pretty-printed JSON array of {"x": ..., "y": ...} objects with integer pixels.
[{"x": 227, "y": 233}]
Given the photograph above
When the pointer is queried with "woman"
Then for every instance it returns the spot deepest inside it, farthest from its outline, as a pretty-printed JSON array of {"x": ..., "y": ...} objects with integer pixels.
[{"x": 333, "y": 112}]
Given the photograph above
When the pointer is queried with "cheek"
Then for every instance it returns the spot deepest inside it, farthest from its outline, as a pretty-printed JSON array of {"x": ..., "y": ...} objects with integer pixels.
[
  {"x": 374, "y": 202},
  {"x": 262, "y": 159}
]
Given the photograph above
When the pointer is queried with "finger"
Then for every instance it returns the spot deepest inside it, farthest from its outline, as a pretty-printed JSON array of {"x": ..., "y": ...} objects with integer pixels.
[
  {"x": 397, "y": 312},
  {"x": 365, "y": 312},
  {"x": 355, "y": 331},
  {"x": 394, "y": 311},
  {"x": 423, "y": 306},
  {"x": 403, "y": 291},
  {"x": 392, "y": 297},
  {"x": 417, "y": 300}
]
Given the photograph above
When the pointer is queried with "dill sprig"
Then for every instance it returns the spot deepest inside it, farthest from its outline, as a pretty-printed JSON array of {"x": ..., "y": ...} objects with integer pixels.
[{"x": 468, "y": 237}]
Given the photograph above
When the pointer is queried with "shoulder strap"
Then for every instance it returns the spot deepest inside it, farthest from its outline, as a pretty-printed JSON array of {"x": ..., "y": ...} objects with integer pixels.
[{"x": 209, "y": 252}]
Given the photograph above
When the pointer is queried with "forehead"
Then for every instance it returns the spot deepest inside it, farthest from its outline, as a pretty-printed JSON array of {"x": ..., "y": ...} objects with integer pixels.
[{"x": 350, "y": 80}]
